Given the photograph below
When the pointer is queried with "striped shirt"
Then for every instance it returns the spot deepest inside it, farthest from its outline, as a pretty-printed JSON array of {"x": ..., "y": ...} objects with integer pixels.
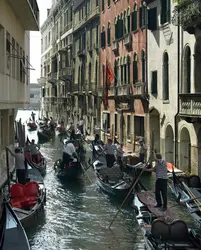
[{"x": 161, "y": 170}]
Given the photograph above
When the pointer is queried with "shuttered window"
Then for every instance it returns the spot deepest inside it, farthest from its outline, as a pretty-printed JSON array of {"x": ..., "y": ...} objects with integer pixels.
[
  {"x": 135, "y": 69},
  {"x": 108, "y": 35},
  {"x": 134, "y": 20},
  {"x": 152, "y": 19},
  {"x": 142, "y": 17},
  {"x": 103, "y": 39},
  {"x": 154, "y": 82},
  {"x": 165, "y": 11}
]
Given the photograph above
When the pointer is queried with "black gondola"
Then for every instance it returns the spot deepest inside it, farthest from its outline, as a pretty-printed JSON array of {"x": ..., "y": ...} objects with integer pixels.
[
  {"x": 70, "y": 171},
  {"x": 160, "y": 230},
  {"x": 13, "y": 236}
]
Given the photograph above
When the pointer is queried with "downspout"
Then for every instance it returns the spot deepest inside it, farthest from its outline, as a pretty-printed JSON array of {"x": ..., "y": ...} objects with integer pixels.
[{"x": 178, "y": 87}]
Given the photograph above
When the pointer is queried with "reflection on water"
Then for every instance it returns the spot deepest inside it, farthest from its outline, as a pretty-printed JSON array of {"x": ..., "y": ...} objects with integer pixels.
[{"x": 77, "y": 215}]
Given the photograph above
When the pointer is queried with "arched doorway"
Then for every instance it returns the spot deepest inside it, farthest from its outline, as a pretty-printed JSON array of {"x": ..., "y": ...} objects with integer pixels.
[
  {"x": 199, "y": 152},
  {"x": 197, "y": 65},
  {"x": 155, "y": 130},
  {"x": 185, "y": 151},
  {"x": 169, "y": 144}
]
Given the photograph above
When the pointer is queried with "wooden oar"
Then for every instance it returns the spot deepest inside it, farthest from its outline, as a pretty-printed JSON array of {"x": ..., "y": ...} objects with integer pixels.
[
  {"x": 133, "y": 186},
  {"x": 86, "y": 173}
]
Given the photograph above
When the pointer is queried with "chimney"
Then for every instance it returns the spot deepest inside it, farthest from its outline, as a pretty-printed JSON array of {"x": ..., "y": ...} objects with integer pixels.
[{"x": 48, "y": 12}]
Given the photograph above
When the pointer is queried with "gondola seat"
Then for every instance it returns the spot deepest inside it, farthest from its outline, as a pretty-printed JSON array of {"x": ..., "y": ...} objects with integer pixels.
[
  {"x": 194, "y": 181},
  {"x": 17, "y": 195},
  {"x": 160, "y": 230},
  {"x": 31, "y": 190}
]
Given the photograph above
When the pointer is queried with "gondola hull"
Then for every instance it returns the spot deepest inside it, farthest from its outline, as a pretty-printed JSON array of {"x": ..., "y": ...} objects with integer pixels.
[
  {"x": 40, "y": 166},
  {"x": 42, "y": 137},
  {"x": 14, "y": 236},
  {"x": 66, "y": 172}
]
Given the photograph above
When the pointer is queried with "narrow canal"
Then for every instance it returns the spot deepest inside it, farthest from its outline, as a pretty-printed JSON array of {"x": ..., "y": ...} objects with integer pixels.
[{"x": 77, "y": 215}]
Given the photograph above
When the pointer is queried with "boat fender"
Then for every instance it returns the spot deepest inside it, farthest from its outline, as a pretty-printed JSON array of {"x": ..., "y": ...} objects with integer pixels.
[{"x": 136, "y": 210}]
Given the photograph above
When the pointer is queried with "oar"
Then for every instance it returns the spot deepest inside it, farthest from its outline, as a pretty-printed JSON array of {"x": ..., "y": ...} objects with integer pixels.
[
  {"x": 133, "y": 186},
  {"x": 86, "y": 173}
]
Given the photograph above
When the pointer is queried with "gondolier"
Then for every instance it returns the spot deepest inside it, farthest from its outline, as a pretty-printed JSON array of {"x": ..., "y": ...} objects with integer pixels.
[
  {"x": 142, "y": 151},
  {"x": 20, "y": 165},
  {"x": 69, "y": 151},
  {"x": 110, "y": 153},
  {"x": 161, "y": 180},
  {"x": 34, "y": 151}
]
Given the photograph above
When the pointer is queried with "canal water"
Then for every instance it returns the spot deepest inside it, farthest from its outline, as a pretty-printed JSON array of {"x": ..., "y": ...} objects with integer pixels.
[{"x": 77, "y": 215}]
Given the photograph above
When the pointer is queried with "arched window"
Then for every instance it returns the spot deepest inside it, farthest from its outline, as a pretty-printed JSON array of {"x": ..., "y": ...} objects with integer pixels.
[
  {"x": 103, "y": 76},
  {"x": 125, "y": 30},
  {"x": 116, "y": 27},
  {"x": 143, "y": 68},
  {"x": 89, "y": 73},
  {"x": 103, "y": 40},
  {"x": 115, "y": 72},
  {"x": 96, "y": 74},
  {"x": 165, "y": 76},
  {"x": 134, "y": 17},
  {"x": 109, "y": 33},
  {"x": 186, "y": 88},
  {"x": 135, "y": 68},
  {"x": 125, "y": 70},
  {"x": 128, "y": 20},
  {"x": 128, "y": 69},
  {"x": 122, "y": 70}
]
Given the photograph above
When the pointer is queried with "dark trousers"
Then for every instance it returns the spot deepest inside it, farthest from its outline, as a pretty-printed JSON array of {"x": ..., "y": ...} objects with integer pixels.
[
  {"x": 142, "y": 156},
  {"x": 21, "y": 176},
  {"x": 161, "y": 190},
  {"x": 34, "y": 158},
  {"x": 66, "y": 158},
  {"x": 110, "y": 160}
]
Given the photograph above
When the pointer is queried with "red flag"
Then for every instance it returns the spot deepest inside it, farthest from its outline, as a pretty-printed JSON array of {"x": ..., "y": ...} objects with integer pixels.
[{"x": 109, "y": 73}]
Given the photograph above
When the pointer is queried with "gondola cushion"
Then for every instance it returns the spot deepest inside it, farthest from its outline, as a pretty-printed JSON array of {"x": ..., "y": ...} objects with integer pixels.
[
  {"x": 31, "y": 190},
  {"x": 17, "y": 195},
  {"x": 160, "y": 229},
  {"x": 112, "y": 174}
]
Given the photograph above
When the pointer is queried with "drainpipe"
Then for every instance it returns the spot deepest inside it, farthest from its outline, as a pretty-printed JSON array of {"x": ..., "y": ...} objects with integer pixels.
[{"x": 178, "y": 87}]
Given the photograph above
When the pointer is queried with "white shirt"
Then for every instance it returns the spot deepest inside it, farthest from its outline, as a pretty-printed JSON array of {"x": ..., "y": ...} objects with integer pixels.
[
  {"x": 69, "y": 148},
  {"x": 119, "y": 151},
  {"x": 81, "y": 122},
  {"x": 110, "y": 149},
  {"x": 19, "y": 160},
  {"x": 33, "y": 149}
]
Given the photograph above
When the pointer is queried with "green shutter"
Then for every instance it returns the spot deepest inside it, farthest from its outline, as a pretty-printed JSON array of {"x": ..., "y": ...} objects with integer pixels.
[
  {"x": 108, "y": 36},
  {"x": 152, "y": 19},
  {"x": 154, "y": 84},
  {"x": 134, "y": 20},
  {"x": 135, "y": 72},
  {"x": 141, "y": 17}
]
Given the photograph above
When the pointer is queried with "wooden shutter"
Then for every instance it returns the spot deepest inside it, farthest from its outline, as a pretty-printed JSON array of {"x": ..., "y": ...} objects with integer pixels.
[
  {"x": 152, "y": 19},
  {"x": 134, "y": 20},
  {"x": 154, "y": 84}
]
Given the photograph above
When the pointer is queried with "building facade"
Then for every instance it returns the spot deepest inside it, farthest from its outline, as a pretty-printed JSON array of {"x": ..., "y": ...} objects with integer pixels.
[
  {"x": 34, "y": 96},
  {"x": 16, "y": 20},
  {"x": 123, "y": 48},
  {"x": 56, "y": 61},
  {"x": 86, "y": 63}
]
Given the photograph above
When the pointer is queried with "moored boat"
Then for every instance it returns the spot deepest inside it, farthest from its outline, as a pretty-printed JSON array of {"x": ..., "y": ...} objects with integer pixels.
[
  {"x": 28, "y": 200},
  {"x": 31, "y": 126},
  {"x": 70, "y": 171},
  {"x": 13, "y": 236},
  {"x": 40, "y": 164}
]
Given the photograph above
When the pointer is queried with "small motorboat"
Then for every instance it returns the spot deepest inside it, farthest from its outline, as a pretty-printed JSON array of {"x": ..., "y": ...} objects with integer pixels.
[
  {"x": 28, "y": 200},
  {"x": 31, "y": 126},
  {"x": 12, "y": 236},
  {"x": 40, "y": 164}
]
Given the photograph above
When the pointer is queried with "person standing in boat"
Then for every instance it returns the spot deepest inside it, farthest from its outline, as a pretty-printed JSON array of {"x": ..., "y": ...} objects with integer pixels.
[
  {"x": 142, "y": 151},
  {"x": 20, "y": 165},
  {"x": 119, "y": 155},
  {"x": 81, "y": 125},
  {"x": 33, "y": 116},
  {"x": 69, "y": 151},
  {"x": 161, "y": 180},
  {"x": 110, "y": 149},
  {"x": 34, "y": 151}
]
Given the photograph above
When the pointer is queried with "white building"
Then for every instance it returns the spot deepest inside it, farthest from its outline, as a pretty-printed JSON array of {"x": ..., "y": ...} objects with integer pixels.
[
  {"x": 174, "y": 86},
  {"x": 35, "y": 96},
  {"x": 17, "y": 18}
]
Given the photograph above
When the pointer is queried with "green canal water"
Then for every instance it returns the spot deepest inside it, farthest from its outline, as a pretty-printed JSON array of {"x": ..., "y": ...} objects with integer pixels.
[{"x": 77, "y": 215}]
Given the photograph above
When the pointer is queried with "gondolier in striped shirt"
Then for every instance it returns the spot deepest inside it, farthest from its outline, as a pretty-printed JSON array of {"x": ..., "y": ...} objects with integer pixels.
[{"x": 161, "y": 180}]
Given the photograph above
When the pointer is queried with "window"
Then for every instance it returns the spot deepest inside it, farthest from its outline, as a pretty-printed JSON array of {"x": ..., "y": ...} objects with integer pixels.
[
  {"x": 97, "y": 2},
  {"x": 115, "y": 124},
  {"x": 125, "y": 23},
  {"x": 116, "y": 27},
  {"x": 165, "y": 11},
  {"x": 109, "y": 34},
  {"x": 154, "y": 82},
  {"x": 143, "y": 65},
  {"x": 103, "y": 42},
  {"x": 43, "y": 92},
  {"x": 8, "y": 52},
  {"x": 128, "y": 127},
  {"x": 11, "y": 129},
  {"x": 103, "y": 5},
  {"x": 89, "y": 73},
  {"x": 31, "y": 95},
  {"x": 152, "y": 19},
  {"x": 103, "y": 76},
  {"x": 134, "y": 18},
  {"x": 142, "y": 17},
  {"x": 106, "y": 122},
  {"x": 115, "y": 72},
  {"x": 165, "y": 76},
  {"x": 128, "y": 21},
  {"x": 108, "y": 3},
  {"x": 135, "y": 68},
  {"x": 186, "y": 88},
  {"x": 96, "y": 74},
  {"x": 97, "y": 32},
  {"x": 13, "y": 58},
  {"x": 138, "y": 126},
  {"x": 128, "y": 69}
]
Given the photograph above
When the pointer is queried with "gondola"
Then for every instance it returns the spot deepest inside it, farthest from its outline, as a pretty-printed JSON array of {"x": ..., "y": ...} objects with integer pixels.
[
  {"x": 71, "y": 171},
  {"x": 159, "y": 228},
  {"x": 188, "y": 190},
  {"x": 61, "y": 130},
  {"x": 40, "y": 164},
  {"x": 12, "y": 234},
  {"x": 31, "y": 126},
  {"x": 28, "y": 200},
  {"x": 112, "y": 180}
]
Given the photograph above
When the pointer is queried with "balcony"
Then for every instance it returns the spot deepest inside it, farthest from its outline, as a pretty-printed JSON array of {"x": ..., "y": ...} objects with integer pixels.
[
  {"x": 100, "y": 92},
  {"x": 127, "y": 40},
  {"x": 28, "y": 13},
  {"x": 123, "y": 90},
  {"x": 190, "y": 104},
  {"x": 140, "y": 89},
  {"x": 115, "y": 46},
  {"x": 65, "y": 74},
  {"x": 187, "y": 13},
  {"x": 81, "y": 53},
  {"x": 52, "y": 77}
]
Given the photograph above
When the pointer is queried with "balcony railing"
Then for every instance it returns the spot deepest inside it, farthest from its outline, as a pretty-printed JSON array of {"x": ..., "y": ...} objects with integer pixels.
[
  {"x": 187, "y": 13},
  {"x": 123, "y": 90},
  {"x": 52, "y": 77},
  {"x": 92, "y": 88},
  {"x": 66, "y": 73},
  {"x": 27, "y": 12},
  {"x": 100, "y": 92},
  {"x": 127, "y": 39},
  {"x": 190, "y": 104},
  {"x": 115, "y": 45},
  {"x": 140, "y": 89}
]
